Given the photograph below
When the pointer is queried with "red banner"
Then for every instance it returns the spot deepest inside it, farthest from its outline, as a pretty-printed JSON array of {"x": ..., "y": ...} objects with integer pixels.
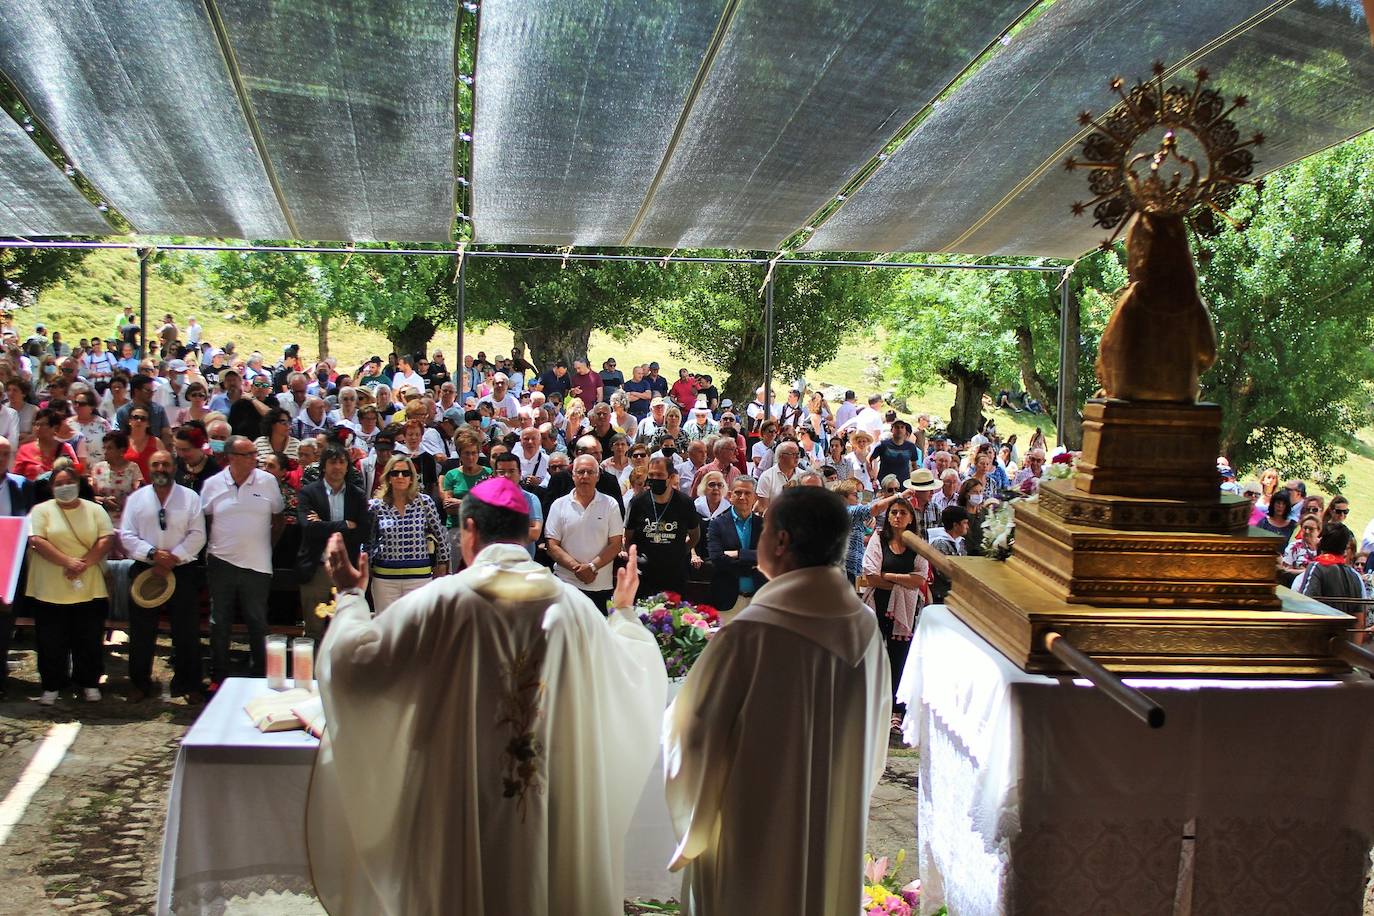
[{"x": 14, "y": 541}]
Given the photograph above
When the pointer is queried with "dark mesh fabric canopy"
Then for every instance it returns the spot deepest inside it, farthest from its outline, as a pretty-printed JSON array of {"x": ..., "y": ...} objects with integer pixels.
[
  {"x": 36, "y": 198},
  {"x": 643, "y": 123},
  {"x": 1015, "y": 114}
]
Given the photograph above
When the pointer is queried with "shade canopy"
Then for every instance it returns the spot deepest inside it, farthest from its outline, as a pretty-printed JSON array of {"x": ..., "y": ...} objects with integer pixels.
[{"x": 871, "y": 125}]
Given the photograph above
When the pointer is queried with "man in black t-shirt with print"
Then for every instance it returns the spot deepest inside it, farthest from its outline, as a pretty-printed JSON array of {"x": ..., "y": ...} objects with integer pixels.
[{"x": 664, "y": 525}]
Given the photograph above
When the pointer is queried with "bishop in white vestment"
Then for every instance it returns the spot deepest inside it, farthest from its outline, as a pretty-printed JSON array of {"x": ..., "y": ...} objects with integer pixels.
[
  {"x": 779, "y": 735},
  {"x": 487, "y": 738}
]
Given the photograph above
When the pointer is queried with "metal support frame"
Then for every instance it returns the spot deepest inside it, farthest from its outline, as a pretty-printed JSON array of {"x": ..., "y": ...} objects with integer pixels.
[
  {"x": 767, "y": 347},
  {"x": 532, "y": 255},
  {"x": 1061, "y": 408},
  {"x": 1065, "y": 297},
  {"x": 460, "y": 294},
  {"x": 144, "y": 254}
]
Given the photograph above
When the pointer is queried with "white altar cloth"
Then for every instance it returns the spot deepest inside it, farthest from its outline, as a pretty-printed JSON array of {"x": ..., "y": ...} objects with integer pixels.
[
  {"x": 236, "y": 812},
  {"x": 1040, "y": 795}
]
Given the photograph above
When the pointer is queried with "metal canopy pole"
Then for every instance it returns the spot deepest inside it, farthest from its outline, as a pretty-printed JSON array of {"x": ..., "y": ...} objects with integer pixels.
[
  {"x": 143, "y": 255},
  {"x": 767, "y": 348},
  {"x": 461, "y": 296},
  {"x": 532, "y": 255},
  {"x": 1061, "y": 408}
]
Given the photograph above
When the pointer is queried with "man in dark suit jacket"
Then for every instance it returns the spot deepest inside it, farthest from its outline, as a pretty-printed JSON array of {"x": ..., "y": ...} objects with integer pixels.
[
  {"x": 18, "y": 494},
  {"x": 318, "y": 522},
  {"x": 734, "y": 560}
]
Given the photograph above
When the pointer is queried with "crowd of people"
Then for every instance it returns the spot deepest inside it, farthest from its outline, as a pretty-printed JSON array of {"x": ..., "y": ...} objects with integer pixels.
[{"x": 196, "y": 473}]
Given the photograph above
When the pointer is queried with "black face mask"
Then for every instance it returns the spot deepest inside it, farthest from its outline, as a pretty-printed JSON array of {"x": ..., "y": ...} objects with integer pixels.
[
  {"x": 669, "y": 450},
  {"x": 657, "y": 487}
]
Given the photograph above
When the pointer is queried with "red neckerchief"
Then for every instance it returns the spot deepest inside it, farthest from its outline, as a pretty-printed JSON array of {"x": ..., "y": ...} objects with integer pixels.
[{"x": 1329, "y": 559}]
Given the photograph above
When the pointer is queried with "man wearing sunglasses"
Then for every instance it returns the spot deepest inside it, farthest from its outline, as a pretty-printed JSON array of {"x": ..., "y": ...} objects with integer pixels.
[{"x": 163, "y": 529}]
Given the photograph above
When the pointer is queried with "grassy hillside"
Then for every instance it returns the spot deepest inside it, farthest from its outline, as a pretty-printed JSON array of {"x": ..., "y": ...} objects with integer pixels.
[{"x": 93, "y": 298}]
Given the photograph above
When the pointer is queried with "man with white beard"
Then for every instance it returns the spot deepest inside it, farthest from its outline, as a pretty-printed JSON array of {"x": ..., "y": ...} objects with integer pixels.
[{"x": 488, "y": 737}]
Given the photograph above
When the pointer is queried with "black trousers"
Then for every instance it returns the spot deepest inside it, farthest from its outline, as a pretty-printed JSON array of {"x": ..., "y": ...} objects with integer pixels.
[
  {"x": 897, "y": 649},
  {"x": 600, "y": 598},
  {"x": 183, "y": 610},
  {"x": 70, "y": 643}
]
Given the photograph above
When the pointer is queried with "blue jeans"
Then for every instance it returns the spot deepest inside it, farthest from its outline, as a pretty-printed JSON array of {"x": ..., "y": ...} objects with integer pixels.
[{"x": 235, "y": 589}]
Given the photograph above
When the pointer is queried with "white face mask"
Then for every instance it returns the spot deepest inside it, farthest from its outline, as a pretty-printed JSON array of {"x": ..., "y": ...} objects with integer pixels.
[
  {"x": 66, "y": 492},
  {"x": 975, "y": 499}
]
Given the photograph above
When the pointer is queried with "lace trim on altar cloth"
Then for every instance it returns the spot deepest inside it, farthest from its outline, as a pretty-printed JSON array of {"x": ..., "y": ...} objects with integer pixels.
[{"x": 242, "y": 895}]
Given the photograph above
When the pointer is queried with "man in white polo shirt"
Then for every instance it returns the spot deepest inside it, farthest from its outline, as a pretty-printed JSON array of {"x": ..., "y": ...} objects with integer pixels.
[
  {"x": 584, "y": 531},
  {"x": 243, "y": 505}
]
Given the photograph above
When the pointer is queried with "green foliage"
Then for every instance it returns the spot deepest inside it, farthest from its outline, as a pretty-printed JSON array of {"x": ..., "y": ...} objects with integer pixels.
[
  {"x": 1290, "y": 296},
  {"x": 26, "y": 272},
  {"x": 718, "y": 318},
  {"x": 553, "y": 307}
]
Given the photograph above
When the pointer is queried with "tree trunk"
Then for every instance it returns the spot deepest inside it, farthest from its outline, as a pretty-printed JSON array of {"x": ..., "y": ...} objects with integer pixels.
[
  {"x": 322, "y": 335},
  {"x": 744, "y": 372},
  {"x": 966, "y": 415},
  {"x": 1036, "y": 384},
  {"x": 1073, "y": 420},
  {"x": 413, "y": 337},
  {"x": 547, "y": 344}
]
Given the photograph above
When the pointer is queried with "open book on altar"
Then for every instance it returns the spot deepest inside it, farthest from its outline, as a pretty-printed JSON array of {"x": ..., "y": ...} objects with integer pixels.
[{"x": 280, "y": 712}]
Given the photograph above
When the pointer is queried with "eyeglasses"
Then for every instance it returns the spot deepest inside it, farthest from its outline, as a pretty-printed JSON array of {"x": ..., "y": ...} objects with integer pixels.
[
  {"x": 400, "y": 472},
  {"x": 162, "y": 517},
  {"x": 1340, "y": 511},
  {"x": 252, "y": 454},
  {"x": 139, "y": 417},
  {"x": 280, "y": 420}
]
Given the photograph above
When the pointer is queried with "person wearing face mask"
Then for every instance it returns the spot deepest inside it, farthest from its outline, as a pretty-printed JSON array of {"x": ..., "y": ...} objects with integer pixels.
[
  {"x": 163, "y": 530},
  {"x": 218, "y": 433},
  {"x": 664, "y": 525},
  {"x": 68, "y": 537},
  {"x": 971, "y": 499}
]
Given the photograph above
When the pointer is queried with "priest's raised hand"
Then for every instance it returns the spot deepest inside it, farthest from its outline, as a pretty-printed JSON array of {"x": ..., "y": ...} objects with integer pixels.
[{"x": 488, "y": 736}]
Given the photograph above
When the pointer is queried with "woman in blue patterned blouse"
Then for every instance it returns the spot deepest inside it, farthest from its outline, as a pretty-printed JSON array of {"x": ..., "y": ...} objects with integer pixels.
[{"x": 409, "y": 547}]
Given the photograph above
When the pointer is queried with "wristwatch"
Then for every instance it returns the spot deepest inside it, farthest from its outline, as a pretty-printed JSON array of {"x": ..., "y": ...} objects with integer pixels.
[{"x": 152, "y": 552}]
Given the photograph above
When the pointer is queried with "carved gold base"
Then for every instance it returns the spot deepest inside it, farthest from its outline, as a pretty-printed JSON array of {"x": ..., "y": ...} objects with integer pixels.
[
  {"x": 1146, "y": 449},
  {"x": 1014, "y": 612},
  {"x": 1083, "y": 564},
  {"x": 1222, "y": 513}
]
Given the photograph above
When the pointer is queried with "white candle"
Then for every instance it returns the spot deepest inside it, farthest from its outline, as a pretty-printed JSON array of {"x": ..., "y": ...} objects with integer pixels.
[
  {"x": 303, "y": 662},
  {"x": 276, "y": 662}
]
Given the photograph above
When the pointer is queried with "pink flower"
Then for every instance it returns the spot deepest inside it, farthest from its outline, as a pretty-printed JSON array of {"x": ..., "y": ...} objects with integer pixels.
[
  {"x": 876, "y": 870},
  {"x": 911, "y": 893}
]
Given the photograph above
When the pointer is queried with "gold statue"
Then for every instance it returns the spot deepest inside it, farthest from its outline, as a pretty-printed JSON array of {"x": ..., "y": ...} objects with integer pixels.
[{"x": 1160, "y": 338}]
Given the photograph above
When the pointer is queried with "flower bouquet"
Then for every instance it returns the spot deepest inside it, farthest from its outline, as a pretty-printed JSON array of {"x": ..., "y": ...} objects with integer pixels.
[
  {"x": 883, "y": 893},
  {"x": 999, "y": 531},
  {"x": 682, "y": 629},
  {"x": 1062, "y": 466}
]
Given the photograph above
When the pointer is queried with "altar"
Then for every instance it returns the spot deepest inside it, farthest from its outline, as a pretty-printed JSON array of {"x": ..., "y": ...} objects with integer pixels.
[
  {"x": 1039, "y": 795},
  {"x": 236, "y": 815}
]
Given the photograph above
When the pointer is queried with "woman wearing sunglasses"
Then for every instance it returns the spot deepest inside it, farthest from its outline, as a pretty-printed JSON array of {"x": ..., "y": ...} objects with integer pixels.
[
  {"x": 409, "y": 546},
  {"x": 142, "y": 443}
]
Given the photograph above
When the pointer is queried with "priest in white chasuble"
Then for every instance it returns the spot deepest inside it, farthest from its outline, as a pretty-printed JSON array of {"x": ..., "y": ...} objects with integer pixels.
[
  {"x": 779, "y": 734},
  {"x": 488, "y": 736}
]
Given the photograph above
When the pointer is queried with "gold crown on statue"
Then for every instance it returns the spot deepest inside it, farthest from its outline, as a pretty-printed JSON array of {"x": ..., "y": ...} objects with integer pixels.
[{"x": 1164, "y": 180}]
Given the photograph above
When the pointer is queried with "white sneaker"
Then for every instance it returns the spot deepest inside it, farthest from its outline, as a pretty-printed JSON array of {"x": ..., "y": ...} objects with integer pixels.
[
  {"x": 91, "y": 694},
  {"x": 49, "y": 698}
]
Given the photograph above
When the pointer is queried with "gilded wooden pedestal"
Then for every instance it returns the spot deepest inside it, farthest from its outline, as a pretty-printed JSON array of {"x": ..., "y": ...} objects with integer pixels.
[{"x": 1142, "y": 563}]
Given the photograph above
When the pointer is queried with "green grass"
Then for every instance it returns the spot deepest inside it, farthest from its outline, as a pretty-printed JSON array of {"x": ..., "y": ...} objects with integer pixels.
[{"x": 93, "y": 298}]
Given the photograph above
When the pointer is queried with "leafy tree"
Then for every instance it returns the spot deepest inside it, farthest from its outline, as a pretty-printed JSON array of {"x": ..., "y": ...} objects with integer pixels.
[
  {"x": 1290, "y": 295},
  {"x": 407, "y": 297},
  {"x": 977, "y": 329},
  {"x": 718, "y": 317},
  {"x": 25, "y": 272},
  {"x": 554, "y": 307}
]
